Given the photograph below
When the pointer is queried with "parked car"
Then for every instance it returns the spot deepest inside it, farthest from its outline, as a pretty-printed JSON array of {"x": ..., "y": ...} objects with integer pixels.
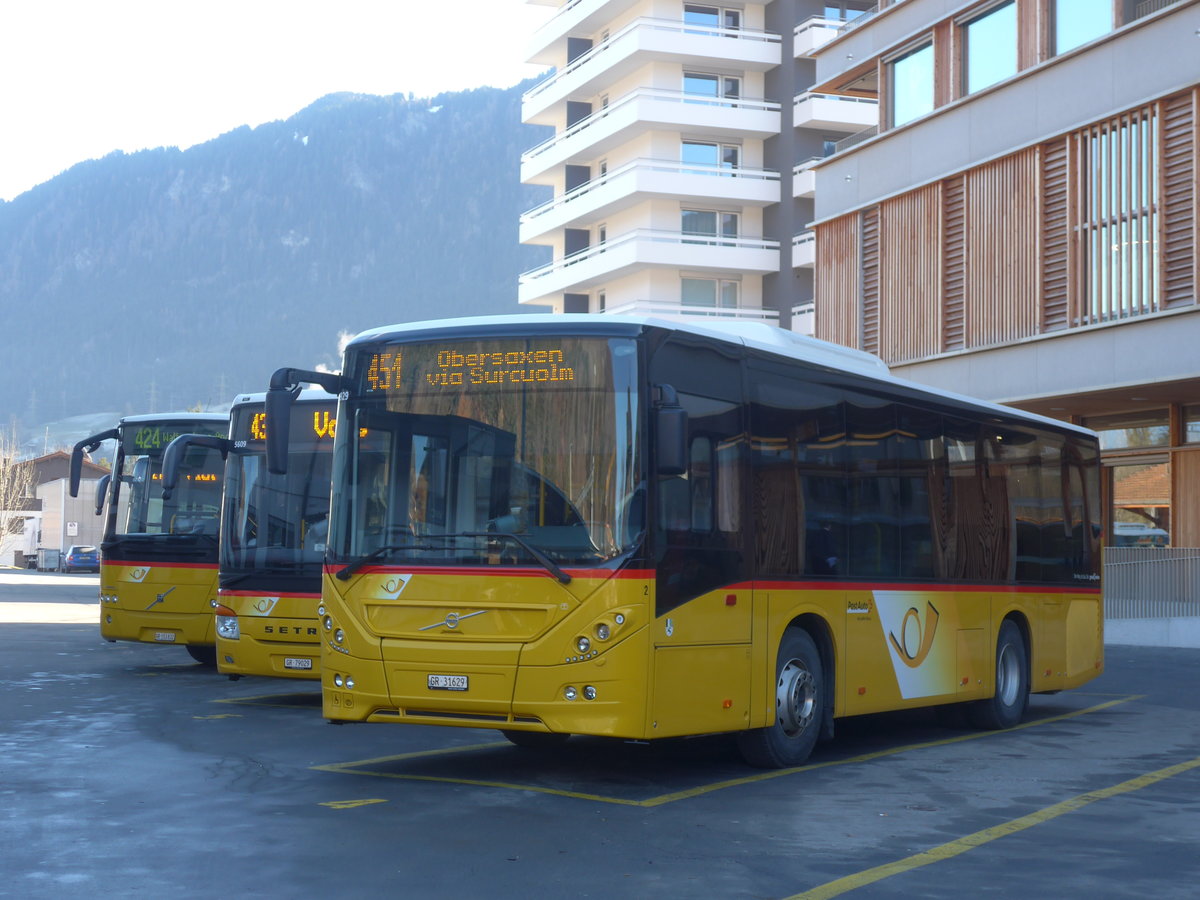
[{"x": 81, "y": 558}]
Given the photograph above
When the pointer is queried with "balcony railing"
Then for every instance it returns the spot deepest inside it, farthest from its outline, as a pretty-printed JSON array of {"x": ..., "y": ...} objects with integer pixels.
[
  {"x": 813, "y": 32},
  {"x": 672, "y": 167},
  {"x": 1146, "y": 7},
  {"x": 804, "y": 250},
  {"x": 648, "y": 24},
  {"x": 857, "y": 138},
  {"x": 679, "y": 97},
  {"x": 647, "y": 235},
  {"x": 675, "y": 309},
  {"x": 804, "y": 319}
]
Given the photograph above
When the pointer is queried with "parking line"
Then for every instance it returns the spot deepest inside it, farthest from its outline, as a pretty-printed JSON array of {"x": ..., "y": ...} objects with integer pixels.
[
  {"x": 355, "y": 768},
  {"x": 979, "y": 838}
]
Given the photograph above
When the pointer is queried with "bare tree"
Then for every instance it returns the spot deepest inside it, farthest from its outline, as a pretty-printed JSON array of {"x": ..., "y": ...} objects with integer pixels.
[{"x": 16, "y": 489}]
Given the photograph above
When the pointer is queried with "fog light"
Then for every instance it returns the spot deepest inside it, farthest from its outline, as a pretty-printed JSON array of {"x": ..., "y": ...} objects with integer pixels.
[
  {"x": 570, "y": 693},
  {"x": 339, "y": 635},
  {"x": 619, "y": 618},
  {"x": 349, "y": 682},
  {"x": 582, "y": 644},
  {"x": 589, "y": 693},
  {"x": 337, "y": 679},
  {"x": 602, "y": 631},
  {"x": 328, "y": 623}
]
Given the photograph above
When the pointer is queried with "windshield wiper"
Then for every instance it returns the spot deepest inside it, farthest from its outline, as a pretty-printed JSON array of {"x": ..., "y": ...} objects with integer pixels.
[
  {"x": 345, "y": 572},
  {"x": 550, "y": 565}
]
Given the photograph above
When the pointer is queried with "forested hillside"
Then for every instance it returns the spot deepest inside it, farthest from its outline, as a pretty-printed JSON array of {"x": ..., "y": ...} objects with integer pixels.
[{"x": 182, "y": 277}]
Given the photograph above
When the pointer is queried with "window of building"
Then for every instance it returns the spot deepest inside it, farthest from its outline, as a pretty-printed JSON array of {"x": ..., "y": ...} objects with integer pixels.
[
  {"x": 1132, "y": 431},
  {"x": 991, "y": 47},
  {"x": 715, "y": 86},
  {"x": 1191, "y": 424},
  {"x": 912, "y": 85},
  {"x": 1078, "y": 21},
  {"x": 711, "y": 16},
  {"x": 711, "y": 156},
  {"x": 709, "y": 223},
  {"x": 717, "y": 293},
  {"x": 847, "y": 9},
  {"x": 601, "y": 300},
  {"x": 1118, "y": 229}
]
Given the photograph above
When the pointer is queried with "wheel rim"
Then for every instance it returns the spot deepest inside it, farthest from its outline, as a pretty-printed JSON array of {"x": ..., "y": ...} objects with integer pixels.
[
  {"x": 1008, "y": 676},
  {"x": 795, "y": 698}
]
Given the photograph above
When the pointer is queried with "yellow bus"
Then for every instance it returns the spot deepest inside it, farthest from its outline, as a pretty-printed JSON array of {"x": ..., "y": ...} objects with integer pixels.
[
  {"x": 622, "y": 526},
  {"x": 273, "y": 530},
  {"x": 158, "y": 560}
]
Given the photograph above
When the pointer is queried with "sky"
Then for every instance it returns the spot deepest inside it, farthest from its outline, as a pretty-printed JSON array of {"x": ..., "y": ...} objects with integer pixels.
[{"x": 82, "y": 78}]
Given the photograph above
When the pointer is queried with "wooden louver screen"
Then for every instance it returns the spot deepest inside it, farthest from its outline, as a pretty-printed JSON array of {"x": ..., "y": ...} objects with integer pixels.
[
  {"x": 870, "y": 280},
  {"x": 837, "y": 282},
  {"x": 954, "y": 263},
  {"x": 1179, "y": 200},
  {"x": 1056, "y": 237}
]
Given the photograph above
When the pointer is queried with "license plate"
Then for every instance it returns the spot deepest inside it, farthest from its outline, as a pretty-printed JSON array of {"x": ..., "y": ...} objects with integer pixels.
[
  {"x": 165, "y": 636},
  {"x": 447, "y": 682},
  {"x": 294, "y": 662}
]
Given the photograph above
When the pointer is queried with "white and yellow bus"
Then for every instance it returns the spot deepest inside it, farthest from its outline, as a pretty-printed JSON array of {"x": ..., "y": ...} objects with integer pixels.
[
  {"x": 273, "y": 531},
  {"x": 158, "y": 560},
  {"x": 557, "y": 525}
]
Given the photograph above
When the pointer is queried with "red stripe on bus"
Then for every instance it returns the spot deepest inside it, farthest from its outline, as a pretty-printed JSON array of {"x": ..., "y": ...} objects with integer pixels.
[
  {"x": 493, "y": 571},
  {"x": 222, "y": 592},
  {"x": 158, "y": 565}
]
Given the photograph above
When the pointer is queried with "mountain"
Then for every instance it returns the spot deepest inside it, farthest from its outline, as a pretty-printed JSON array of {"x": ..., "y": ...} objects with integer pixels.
[{"x": 168, "y": 278}]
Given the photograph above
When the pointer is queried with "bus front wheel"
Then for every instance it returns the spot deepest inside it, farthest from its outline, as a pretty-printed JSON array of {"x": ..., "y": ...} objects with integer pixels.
[
  {"x": 799, "y": 707},
  {"x": 1006, "y": 707}
]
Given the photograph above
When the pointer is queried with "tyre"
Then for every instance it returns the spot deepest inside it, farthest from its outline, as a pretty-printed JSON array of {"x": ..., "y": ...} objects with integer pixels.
[
  {"x": 799, "y": 707},
  {"x": 1006, "y": 707},
  {"x": 202, "y": 654},
  {"x": 535, "y": 740}
]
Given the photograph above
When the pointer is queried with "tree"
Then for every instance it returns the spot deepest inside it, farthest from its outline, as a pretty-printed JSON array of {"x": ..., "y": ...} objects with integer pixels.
[{"x": 16, "y": 487}]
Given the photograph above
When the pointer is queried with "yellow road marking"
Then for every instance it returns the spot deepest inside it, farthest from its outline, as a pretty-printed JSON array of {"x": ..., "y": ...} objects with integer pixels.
[
  {"x": 979, "y": 838},
  {"x": 355, "y": 768},
  {"x": 350, "y": 804},
  {"x": 220, "y": 716},
  {"x": 262, "y": 699}
]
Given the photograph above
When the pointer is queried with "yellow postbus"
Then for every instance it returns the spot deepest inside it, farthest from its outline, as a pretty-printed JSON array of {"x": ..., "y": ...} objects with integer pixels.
[
  {"x": 273, "y": 530},
  {"x": 622, "y": 526},
  {"x": 158, "y": 560}
]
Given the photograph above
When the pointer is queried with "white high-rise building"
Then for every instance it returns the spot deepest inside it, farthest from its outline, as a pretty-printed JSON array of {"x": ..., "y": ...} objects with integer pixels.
[{"x": 683, "y": 137}]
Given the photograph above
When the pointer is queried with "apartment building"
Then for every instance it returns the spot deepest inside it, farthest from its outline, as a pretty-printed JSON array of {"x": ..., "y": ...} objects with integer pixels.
[
  {"x": 1022, "y": 225},
  {"x": 681, "y": 161}
]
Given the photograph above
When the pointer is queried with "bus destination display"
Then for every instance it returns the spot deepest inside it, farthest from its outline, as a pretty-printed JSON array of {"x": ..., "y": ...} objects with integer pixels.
[
  {"x": 461, "y": 367},
  {"x": 153, "y": 439}
]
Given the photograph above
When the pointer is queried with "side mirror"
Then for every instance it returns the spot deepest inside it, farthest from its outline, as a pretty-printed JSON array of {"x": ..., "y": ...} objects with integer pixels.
[
  {"x": 176, "y": 451},
  {"x": 87, "y": 445},
  {"x": 670, "y": 427},
  {"x": 278, "y": 409},
  {"x": 102, "y": 492}
]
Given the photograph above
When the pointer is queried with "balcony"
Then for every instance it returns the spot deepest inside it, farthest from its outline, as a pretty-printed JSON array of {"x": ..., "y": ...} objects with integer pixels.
[
  {"x": 673, "y": 309},
  {"x": 814, "y": 32},
  {"x": 642, "y": 41},
  {"x": 644, "y": 179},
  {"x": 804, "y": 319},
  {"x": 643, "y": 110},
  {"x": 804, "y": 178},
  {"x": 644, "y": 248},
  {"x": 575, "y": 17},
  {"x": 804, "y": 250},
  {"x": 835, "y": 112}
]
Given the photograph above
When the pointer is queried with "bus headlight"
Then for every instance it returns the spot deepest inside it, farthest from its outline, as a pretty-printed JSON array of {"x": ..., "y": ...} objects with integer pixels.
[
  {"x": 589, "y": 692},
  {"x": 339, "y": 635},
  {"x": 227, "y": 627},
  {"x": 570, "y": 693},
  {"x": 328, "y": 623},
  {"x": 602, "y": 631},
  {"x": 582, "y": 644}
]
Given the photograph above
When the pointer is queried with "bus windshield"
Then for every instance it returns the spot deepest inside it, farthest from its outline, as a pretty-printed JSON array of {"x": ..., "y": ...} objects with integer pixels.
[
  {"x": 490, "y": 451},
  {"x": 278, "y": 522},
  {"x": 194, "y": 507}
]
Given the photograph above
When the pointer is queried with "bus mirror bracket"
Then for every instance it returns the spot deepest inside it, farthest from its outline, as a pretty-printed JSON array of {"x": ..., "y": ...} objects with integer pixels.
[
  {"x": 671, "y": 424},
  {"x": 285, "y": 387},
  {"x": 174, "y": 455},
  {"x": 87, "y": 445}
]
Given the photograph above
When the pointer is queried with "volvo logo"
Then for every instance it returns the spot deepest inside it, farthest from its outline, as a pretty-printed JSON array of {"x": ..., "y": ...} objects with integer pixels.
[{"x": 451, "y": 621}]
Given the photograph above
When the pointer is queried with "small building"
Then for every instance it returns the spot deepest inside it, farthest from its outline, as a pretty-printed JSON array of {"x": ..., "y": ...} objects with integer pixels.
[{"x": 48, "y": 517}]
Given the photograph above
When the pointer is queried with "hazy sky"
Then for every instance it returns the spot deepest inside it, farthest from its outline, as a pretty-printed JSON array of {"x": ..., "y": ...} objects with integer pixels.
[{"x": 81, "y": 78}]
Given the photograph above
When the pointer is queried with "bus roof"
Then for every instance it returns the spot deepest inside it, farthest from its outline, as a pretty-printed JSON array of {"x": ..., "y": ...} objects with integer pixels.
[
  {"x": 171, "y": 417},
  {"x": 314, "y": 394},
  {"x": 756, "y": 335}
]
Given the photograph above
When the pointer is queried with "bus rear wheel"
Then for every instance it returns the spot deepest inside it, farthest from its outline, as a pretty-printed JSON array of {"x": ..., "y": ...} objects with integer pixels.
[
  {"x": 206, "y": 656},
  {"x": 1006, "y": 707},
  {"x": 799, "y": 707}
]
